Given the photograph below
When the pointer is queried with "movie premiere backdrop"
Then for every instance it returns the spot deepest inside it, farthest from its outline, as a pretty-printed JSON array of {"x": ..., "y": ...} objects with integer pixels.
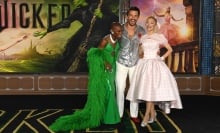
[
  {"x": 216, "y": 42},
  {"x": 53, "y": 36},
  {"x": 50, "y": 36},
  {"x": 179, "y": 21}
]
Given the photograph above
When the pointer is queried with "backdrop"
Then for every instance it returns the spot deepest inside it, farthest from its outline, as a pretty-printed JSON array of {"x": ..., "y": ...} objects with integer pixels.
[
  {"x": 50, "y": 36},
  {"x": 179, "y": 21}
]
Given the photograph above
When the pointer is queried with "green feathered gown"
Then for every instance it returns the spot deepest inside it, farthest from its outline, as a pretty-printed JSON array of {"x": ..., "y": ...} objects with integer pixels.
[{"x": 101, "y": 106}]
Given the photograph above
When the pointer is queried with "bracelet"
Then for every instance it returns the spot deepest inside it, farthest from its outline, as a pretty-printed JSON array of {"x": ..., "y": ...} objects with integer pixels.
[{"x": 162, "y": 58}]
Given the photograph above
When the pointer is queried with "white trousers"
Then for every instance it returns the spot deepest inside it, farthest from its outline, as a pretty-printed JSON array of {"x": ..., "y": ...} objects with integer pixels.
[{"x": 121, "y": 75}]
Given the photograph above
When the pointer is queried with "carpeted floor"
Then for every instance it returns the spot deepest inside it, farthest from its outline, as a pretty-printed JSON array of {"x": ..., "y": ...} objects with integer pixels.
[
  {"x": 201, "y": 114},
  {"x": 32, "y": 114}
]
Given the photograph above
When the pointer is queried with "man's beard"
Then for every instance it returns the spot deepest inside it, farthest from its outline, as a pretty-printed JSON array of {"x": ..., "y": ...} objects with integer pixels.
[{"x": 132, "y": 23}]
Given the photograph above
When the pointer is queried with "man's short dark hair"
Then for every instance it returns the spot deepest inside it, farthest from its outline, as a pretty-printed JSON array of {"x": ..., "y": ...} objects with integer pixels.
[{"x": 133, "y": 8}]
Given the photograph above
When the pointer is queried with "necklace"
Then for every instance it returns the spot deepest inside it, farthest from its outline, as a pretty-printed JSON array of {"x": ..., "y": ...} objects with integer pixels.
[{"x": 113, "y": 41}]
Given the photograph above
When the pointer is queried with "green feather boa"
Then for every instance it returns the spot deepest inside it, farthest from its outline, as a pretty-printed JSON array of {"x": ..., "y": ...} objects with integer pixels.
[{"x": 92, "y": 114}]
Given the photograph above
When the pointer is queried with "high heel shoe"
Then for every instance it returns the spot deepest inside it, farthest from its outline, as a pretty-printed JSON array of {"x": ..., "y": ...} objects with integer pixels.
[
  {"x": 151, "y": 120},
  {"x": 143, "y": 124},
  {"x": 167, "y": 108}
]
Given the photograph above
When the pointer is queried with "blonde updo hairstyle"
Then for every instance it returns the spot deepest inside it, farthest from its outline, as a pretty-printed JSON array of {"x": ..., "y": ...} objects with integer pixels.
[{"x": 156, "y": 28}]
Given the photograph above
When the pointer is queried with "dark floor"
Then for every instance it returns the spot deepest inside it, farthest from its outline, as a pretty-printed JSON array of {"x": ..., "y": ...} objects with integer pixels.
[{"x": 201, "y": 114}]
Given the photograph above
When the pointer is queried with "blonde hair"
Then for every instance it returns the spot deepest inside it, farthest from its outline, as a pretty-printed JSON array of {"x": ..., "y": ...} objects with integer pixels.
[{"x": 156, "y": 28}]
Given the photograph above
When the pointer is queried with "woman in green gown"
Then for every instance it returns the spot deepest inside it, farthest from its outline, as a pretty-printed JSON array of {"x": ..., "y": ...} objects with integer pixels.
[{"x": 101, "y": 106}]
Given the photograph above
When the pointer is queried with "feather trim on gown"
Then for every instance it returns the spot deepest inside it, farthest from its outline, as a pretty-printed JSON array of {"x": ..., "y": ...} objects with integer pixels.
[{"x": 92, "y": 114}]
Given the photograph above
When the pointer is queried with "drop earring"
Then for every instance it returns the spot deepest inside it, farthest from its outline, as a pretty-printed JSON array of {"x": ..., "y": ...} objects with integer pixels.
[
  {"x": 112, "y": 32},
  {"x": 112, "y": 40}
]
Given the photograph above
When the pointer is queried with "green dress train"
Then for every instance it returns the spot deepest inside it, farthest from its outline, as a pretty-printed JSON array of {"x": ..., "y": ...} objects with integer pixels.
[{"x": 101, "y": 106}]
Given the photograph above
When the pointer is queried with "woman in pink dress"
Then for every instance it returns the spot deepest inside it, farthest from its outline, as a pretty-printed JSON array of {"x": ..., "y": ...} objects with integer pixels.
[
  {"x": 170, "y": 31},
  {"x": 153, "y": 81}
]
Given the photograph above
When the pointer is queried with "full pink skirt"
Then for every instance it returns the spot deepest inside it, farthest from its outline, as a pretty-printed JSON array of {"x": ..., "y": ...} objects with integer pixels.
[{"x": 153, "y": 81}]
